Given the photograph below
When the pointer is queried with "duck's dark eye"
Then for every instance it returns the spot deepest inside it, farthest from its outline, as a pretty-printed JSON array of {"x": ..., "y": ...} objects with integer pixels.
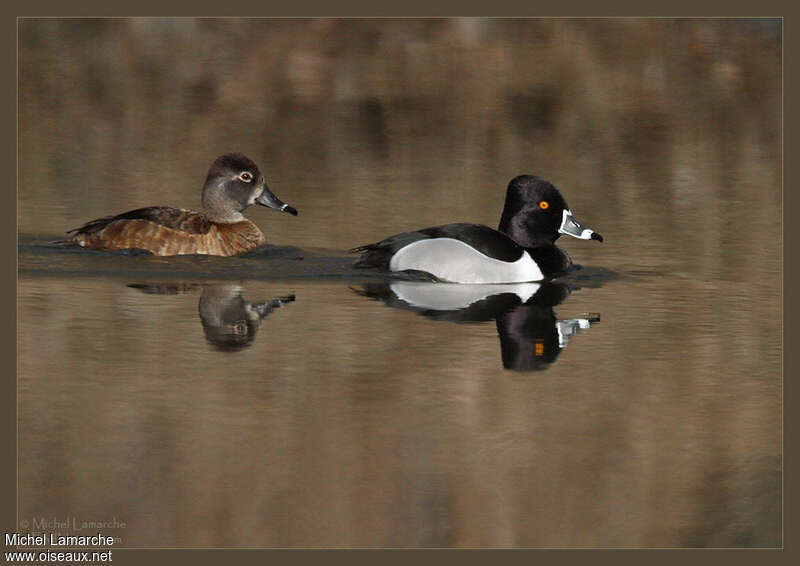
[
  {"x": 544, "y": 205},
  {"x": 240, "y": 328},
  {"x": 245, "y": 176}
]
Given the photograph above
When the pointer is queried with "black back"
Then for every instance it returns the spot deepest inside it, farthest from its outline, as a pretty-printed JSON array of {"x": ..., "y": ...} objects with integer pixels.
[{"x": 484, "y": 239}]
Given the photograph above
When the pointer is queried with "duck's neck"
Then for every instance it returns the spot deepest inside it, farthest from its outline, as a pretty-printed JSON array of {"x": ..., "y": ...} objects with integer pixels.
[
  {"x": 219, "y": 207},
  {"x": 224, "y": 217},
  {"x": 513, "y": 224}
]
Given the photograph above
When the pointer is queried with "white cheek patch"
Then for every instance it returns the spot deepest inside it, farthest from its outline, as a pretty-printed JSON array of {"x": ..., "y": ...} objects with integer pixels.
[
  {"x": 255, "y": 196},
  {"x": 456, "y": 262}
]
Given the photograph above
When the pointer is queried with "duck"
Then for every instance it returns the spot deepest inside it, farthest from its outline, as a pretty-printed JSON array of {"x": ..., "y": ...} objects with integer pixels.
[
  {"x": 522, "y": 249},
  {"x": 234, "y": 183}
]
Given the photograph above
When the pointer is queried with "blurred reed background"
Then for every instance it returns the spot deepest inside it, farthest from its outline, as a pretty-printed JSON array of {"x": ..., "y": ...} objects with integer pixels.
[{"x": 657, "y": 130}]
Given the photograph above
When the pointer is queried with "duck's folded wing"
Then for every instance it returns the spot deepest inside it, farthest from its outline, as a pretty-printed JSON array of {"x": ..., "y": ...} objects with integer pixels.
[
  {"x": 482, "y": 238},
  {"x": 174, "y": 218}
]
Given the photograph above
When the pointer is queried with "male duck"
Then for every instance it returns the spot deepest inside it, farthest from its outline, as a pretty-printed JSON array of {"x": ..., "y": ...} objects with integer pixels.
[
  {"x": 233, "y": 184},
  {"x": 523, "y": 249}
]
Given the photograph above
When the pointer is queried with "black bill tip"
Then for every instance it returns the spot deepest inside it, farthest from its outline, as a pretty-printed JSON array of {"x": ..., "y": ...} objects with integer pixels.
[
  {"x": 596, "y": 236},
  {"x": 290, "y": 209}
]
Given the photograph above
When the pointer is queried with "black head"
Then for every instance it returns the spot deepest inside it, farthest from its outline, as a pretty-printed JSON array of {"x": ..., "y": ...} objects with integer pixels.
[
  {"x": 536, "y": 213},
  {"x": 234, "y": 182}
]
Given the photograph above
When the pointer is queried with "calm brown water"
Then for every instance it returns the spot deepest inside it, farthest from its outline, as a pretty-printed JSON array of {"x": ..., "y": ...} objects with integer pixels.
[{"x": 265, "y": 401}]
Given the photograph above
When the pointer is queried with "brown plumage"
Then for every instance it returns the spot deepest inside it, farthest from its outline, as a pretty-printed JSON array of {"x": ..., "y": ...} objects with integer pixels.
[
  {"x": 169, "y": 231},
  {"x": 233, "y": 183}
]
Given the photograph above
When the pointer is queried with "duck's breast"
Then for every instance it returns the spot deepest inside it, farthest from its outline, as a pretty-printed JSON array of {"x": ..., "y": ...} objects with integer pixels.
[{"x": 235, "y": 238}]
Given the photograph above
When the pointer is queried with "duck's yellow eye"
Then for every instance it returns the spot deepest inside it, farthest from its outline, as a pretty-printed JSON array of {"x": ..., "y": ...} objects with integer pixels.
[
  {"x": 544, "y": 205},
  {"x": 245, "y": 176}
]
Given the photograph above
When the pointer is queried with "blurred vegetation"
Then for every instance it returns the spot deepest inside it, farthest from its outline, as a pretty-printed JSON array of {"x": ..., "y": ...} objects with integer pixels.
[{"x": 372, "y": 118}]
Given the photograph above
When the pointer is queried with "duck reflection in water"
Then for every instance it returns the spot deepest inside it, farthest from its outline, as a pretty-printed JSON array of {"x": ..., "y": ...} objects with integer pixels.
[
  {"x": 230, "y": 322},
  {"x": 531, "y": 337}
]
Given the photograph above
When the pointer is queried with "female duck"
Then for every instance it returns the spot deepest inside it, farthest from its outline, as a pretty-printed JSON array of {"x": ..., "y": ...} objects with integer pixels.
[
  {"x": 233, "y": 184},
  {"x": 523, "y": 249}
]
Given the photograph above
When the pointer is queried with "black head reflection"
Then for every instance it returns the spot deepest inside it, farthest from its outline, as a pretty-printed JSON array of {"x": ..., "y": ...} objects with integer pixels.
[
  {"x": 230, "y": 322},
  {"x": 531, "y": 337}
]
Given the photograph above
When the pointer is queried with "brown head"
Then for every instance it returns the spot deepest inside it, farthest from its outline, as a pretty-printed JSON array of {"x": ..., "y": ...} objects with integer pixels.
[{"x": 234, "y": 183}]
